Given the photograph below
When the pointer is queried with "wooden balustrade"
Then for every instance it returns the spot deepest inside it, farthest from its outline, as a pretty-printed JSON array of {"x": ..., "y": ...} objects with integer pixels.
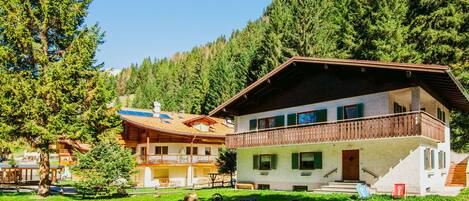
[
  {"x": 386, "y": 126},
  {"x": 175, "y": 159}
]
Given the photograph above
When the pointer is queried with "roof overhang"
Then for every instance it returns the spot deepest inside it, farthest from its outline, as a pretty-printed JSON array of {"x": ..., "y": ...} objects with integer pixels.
[{"x": 438, "y": 77}]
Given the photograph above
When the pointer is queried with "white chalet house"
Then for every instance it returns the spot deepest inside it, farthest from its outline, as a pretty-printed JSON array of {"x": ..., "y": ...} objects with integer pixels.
[{"x": 313, "y": 124}]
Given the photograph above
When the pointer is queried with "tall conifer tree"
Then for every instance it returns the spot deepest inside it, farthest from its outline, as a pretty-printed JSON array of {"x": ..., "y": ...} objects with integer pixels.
[{"x": 50, "y": 89}]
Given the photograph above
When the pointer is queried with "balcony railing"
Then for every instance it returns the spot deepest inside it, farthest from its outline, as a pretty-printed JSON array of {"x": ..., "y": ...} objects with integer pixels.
[
  {"x": 386, "y": 126},
  {"x": 175, "y": 159}
]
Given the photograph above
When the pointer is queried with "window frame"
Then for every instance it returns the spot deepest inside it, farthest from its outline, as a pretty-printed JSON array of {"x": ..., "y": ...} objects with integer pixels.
[
  {"x": 311, "y": 111},
  {"x": 344, "y": 111},
  {"x": 260, "y": 161},
  {"x": 194, "y": 150},
  {"x": 162, "y": 150},
  {"x": 209, "y": 151},
  {"x": 266, "y": 122},
  {"x": 301, "y": 167},
  {"x": 263, "y": 186}
]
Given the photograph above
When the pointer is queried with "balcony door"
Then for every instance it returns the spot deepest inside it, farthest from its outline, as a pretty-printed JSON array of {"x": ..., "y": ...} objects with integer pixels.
[{"x": 350, "y": 165}]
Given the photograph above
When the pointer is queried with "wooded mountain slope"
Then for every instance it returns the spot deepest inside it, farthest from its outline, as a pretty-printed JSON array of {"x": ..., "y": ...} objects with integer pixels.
[{"x": 412, "y": 31}]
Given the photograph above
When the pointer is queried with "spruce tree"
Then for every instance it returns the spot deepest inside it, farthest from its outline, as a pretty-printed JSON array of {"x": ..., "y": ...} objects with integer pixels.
[{"x": 50, "y": 88}]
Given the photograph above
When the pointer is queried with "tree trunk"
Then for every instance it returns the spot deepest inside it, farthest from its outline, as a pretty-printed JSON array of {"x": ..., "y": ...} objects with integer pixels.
[
  {"x": 44, "y": 169},
  {"x": 231, "y": 179}
]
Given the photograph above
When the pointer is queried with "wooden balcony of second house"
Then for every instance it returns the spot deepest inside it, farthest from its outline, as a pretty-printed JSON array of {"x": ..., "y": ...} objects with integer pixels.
[
  {"x": 378, "y": 127},
  {"x": 175, "y": 159}
]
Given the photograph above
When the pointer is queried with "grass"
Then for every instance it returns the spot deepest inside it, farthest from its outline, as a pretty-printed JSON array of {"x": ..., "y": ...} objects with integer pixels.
[{"x": 234, "y": 195}]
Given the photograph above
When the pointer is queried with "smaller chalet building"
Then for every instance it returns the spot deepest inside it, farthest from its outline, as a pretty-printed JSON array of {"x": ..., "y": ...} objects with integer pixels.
[
  {"x": 173, "y": 149},
  {"x": 326, "y": 124}
]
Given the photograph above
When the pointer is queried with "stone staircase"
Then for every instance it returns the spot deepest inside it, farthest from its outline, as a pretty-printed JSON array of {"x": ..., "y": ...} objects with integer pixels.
[
  {"x": 339, "y": 187},
  {"x": 457, "y": 174}
]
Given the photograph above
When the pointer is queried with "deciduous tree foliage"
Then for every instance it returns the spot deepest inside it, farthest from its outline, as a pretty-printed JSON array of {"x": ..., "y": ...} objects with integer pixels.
[
  {"x": 50, "y": 89},
  {"x": 420, "y": 31}
]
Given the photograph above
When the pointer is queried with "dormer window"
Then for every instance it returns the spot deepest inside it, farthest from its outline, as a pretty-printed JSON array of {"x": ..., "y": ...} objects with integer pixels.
[
  {"x": 201, "y": 123},
  {"x": 201, "y": 126}
]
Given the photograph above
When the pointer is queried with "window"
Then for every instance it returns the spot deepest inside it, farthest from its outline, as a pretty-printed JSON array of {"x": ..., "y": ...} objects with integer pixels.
[
  {"x": 133, "y": 150},
  {"x": 307, "y": 117},
  {"x": 161, "y": 150},
  {"x": 194, "y": 150},
  {"x": 201, "y": 127},
  {"x": 270, "y": 122},
  {"x": 307, "y": 161},
  {"x": 441, "y": 115},
  {"x": 432, "y": 158},
  {"x": 441, "y": 159},
  {"x": 429, "y": 159},
  {"x": 312, "y": 116},
  {"x": 266, "y": 123},
  {"x": 350, "y": 111},
  {"x": 399, "y": 108},
  {"x": 208, "y": 151},
  {"x": 300, "y": 188},
  {"x": 263, "y": 186},
  {"x": 265, "y": 162}
]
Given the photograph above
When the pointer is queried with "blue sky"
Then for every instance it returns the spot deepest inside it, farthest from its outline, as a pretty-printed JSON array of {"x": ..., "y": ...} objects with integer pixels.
[{"x": 159, "y": 28}]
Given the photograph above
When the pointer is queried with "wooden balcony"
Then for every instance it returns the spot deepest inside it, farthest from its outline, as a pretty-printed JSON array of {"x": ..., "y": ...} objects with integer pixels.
[
  {"x": 175, "y": 159},
  {"x": 387, "y": 126}
]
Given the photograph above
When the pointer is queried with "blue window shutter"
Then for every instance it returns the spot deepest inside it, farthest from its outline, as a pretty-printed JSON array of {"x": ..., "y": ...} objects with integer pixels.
[
  {"x": 321, "y": 115},
  {"x": 291, "y": 119},
  {"x": 317, "y": 160},
  {"x": 294, "y": 161},
  {"x": 273, "y": 161},
  {"x": 255, "y": 162},
  {"x": 360, "y": 108},
  {"x": 252, "y": 124},
  {"x": 433, "y": 158},
  {"x": 340, "y": 112},
  {"x": 279, "y": 120}
]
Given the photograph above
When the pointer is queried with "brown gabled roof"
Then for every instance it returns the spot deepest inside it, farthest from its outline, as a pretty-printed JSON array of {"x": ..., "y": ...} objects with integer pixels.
[
  {"x": 436, "y": 75},
  {"x": 176, "y": 125}
]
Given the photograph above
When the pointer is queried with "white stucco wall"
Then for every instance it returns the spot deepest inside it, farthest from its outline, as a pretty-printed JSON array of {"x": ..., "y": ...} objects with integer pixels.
[
  {"x": 397, "y": 160},
  {"x": 374, "y": 104},
  {"x": 434, "y": 180}
]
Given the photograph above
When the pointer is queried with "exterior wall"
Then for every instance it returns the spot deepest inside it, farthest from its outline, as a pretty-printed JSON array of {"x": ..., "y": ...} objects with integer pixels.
[
  {"x": 398, "y": 160},
  {"x": 434, "y": 180},
  {"x": 374, "y": 104},
  {"x": 179, "y": 176},
  {"x": 178, "y": 148}
]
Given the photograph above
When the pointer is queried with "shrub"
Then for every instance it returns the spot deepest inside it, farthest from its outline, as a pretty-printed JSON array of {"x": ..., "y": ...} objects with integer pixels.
[{"x": 104, "y": 170}]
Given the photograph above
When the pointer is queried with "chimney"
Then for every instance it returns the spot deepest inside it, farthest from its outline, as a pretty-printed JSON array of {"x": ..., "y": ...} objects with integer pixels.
[{"x": 156, "y": 109}]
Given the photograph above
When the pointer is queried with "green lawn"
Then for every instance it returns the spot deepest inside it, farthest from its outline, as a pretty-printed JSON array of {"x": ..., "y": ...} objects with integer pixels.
[{"x": 233, "y": 195}]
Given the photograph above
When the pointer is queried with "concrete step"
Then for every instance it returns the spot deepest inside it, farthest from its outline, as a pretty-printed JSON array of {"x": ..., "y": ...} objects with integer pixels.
[
  {"x": 338, "y": 187},
  {"x": 345, "y": 183},
  {"x": 336, "y": 190}
]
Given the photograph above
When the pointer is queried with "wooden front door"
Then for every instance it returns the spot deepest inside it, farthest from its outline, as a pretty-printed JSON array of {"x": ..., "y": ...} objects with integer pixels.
[{"x": 350, "y": 165}]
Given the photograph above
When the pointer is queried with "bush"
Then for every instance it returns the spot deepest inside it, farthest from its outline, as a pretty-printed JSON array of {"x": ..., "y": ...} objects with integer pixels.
[{"x": 104, "y": 170}]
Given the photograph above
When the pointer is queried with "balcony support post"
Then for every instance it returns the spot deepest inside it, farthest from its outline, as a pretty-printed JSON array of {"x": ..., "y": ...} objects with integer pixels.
[{"x": 415, "y": 97}]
